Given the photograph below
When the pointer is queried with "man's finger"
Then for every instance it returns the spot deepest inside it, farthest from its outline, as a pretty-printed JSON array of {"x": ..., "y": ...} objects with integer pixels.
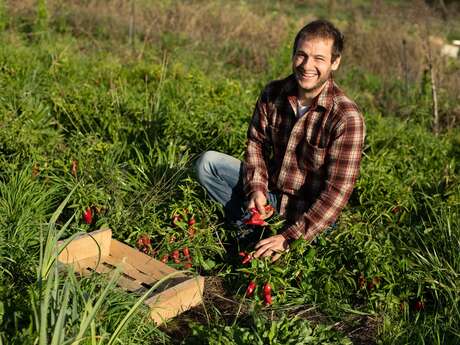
[
  {"x": 262, "y": 243},
  {"x": 260, "y": 206},
  {"x": 262, "y": 250}
]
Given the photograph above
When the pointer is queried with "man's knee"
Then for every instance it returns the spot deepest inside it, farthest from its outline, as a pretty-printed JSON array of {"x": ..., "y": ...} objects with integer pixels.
[{"x": 203, "y": 165}]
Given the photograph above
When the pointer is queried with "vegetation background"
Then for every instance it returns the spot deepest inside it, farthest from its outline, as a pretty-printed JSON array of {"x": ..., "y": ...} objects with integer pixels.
[{"x": 106, "y": 104}]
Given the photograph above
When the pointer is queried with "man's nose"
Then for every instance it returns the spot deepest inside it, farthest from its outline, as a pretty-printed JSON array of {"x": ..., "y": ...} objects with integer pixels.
[{"x": 306, "y": 62}]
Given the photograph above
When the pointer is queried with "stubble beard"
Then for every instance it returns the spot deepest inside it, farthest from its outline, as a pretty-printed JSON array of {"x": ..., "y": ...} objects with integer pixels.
[{"x": 313, "y": 89}]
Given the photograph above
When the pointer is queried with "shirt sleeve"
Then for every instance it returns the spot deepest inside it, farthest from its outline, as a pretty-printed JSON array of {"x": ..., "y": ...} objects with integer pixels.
[
  {"x": 255, "y": 172},
  {"x": 343, "y": 161}
]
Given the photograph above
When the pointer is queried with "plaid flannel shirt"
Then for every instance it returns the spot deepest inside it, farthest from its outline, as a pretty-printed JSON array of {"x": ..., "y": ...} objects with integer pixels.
[{"x": 312, "y": 161}]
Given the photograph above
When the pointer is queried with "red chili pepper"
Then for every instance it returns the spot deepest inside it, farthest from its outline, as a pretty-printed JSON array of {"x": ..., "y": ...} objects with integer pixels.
[
  {"x": 268, "y": 299},
  {"x": 257, "y": 222},
  {"x": 191, "y": 221},
  {"x": 88, "y": 215},
  {"x": 256, "y": 218},
  {"x": 175, "y": 255},
  {"x": 143, "y": 241},
  {"x": 188, "y": 265},
  {"x": 242, "y": 254},
  {"x": 250, "y": 289},
  {"x": 186, "y": 252},
  {"x": 267, "y": 294},
  {"x": 419, "y": 305},
  {"x": 267, "y": 289},
  {"x": 246, "y": 259},
  {"x": 165, "y": 259}
]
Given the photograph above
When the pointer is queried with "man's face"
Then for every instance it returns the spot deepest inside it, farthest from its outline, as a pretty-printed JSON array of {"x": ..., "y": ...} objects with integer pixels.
[{"x": 312, "y": 63}]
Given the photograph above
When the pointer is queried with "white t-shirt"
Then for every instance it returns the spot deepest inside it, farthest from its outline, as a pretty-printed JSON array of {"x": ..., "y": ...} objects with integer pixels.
[{"x": 301, "y": 109}]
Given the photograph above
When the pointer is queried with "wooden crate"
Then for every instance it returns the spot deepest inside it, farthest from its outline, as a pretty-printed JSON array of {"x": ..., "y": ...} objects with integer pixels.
[{"x": 98, "y": 252}]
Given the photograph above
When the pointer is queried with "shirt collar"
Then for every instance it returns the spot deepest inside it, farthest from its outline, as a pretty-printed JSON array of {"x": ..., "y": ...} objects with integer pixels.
[{"x": 323, "y": 100}]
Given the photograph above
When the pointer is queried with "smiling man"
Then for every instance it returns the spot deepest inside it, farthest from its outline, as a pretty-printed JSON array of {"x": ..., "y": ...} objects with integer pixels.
[{"x": 304, "y": 147}]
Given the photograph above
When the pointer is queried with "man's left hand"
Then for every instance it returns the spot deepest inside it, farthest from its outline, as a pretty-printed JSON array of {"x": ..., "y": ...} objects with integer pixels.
[{"x": 272, "y": 246}]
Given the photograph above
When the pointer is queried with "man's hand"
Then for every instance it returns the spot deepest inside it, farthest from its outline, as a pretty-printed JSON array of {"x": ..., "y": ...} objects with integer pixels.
[
  {"x": 272, "y": 246},
  {"x": 258, "y": 200}
]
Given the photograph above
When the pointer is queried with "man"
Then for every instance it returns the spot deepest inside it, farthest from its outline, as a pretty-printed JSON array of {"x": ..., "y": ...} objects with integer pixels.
[{"x": 304, "y": 146}]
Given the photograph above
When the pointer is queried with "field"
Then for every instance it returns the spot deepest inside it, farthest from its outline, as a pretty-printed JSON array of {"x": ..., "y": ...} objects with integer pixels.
[{"x": 105, "y": 105}]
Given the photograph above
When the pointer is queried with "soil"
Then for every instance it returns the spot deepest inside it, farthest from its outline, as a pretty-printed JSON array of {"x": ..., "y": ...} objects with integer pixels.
[{"x": 362, "y": 330}]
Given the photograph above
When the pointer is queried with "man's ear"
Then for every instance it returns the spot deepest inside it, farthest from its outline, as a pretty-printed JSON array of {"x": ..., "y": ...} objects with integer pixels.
[{"x": 336, "y": 63}]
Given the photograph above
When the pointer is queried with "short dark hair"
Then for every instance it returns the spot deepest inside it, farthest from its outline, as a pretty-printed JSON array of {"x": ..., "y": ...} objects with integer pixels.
[{"x": 321, "y": 29}]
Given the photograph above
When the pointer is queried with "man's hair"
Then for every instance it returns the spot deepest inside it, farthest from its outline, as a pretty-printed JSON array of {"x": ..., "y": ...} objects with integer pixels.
[{"x": 321, "y": 29}]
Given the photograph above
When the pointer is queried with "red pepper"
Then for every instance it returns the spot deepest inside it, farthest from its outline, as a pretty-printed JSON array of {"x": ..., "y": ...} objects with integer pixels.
[
  {"x": 175, "y": 255},
  {"x": 143, "y": 241},
  {"x": 256, "y": 217},
  {"x": 242, "y": 254},
  {"x": 186, "y": 252},
  {"x": 165, "y": 259},
  {"x": 188, "y": 265},
  {"x": 246, "y": 259},
  {"x": 267, "y": 293},
  {"x": 191, "y": 221},
  {"x": 419, "y": 305},
  {"x": 88, "y": 215},
  {"x": 267, "y": 289},
  {"x": 268, "y": 299},
  {"x": 250, "y": 289}
]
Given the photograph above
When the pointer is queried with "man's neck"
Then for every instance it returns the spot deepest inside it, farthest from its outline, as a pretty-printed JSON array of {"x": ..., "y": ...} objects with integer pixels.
[{"x": 305, "y": 98}]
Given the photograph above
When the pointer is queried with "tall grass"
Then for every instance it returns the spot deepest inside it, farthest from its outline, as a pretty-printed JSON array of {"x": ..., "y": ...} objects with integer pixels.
[{"x": 136, "y": 121}]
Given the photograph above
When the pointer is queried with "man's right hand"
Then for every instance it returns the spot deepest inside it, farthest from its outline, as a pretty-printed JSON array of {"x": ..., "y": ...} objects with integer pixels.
[{"x": 258, "y": 200}]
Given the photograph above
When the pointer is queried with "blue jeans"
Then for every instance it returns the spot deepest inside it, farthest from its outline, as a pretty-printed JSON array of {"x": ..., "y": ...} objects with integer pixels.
[{"x": 222, "y": 176}]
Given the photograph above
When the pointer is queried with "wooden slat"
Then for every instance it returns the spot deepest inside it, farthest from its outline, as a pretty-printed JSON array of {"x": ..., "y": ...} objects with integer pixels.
[
  {"x": 91, "y": 265},
  {"x": 176, "y": 299},
  {"x": 130, "y": 270},
  {"x": 87, "y": 245},
  {"x": 142, "y": 262}
]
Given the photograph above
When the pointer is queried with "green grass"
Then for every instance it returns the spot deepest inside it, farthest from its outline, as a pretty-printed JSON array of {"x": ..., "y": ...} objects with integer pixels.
[{"x": 135, "y": 124}]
